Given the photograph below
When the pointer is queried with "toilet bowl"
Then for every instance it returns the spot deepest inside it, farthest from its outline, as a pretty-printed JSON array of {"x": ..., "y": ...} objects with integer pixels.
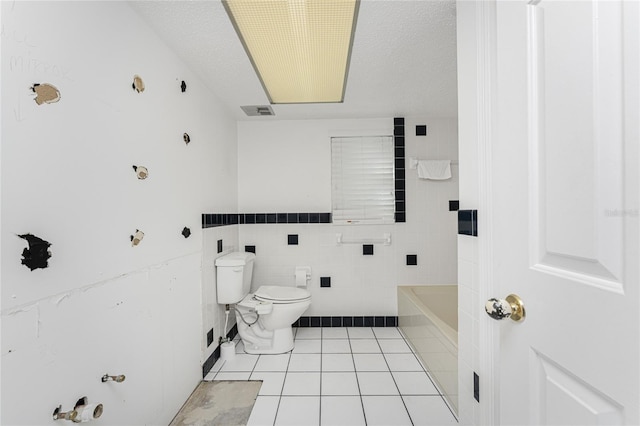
[{"x": 264, "y": 318}]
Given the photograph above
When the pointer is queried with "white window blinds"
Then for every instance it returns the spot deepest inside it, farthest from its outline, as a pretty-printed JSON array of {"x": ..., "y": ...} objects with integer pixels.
[{"x": 362, "y": 173}]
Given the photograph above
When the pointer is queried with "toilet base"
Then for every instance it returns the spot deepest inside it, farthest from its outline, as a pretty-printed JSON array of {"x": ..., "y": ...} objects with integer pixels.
[{"x": 258, "y": 341}]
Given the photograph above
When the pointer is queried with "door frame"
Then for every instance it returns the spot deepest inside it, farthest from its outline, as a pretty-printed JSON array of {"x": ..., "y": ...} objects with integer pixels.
[{"x": 489, "y": 333}]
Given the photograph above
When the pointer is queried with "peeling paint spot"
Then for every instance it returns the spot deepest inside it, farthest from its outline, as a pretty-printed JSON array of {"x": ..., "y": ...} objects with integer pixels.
[
  {"x": 186, "y": 138},
  {"x": 45, "y": 93},
  {"x": 141, "y": 172},
  {"x": 37, "y": 254},
  {"x": 137, "y": 238},
  {"x": 138, "y": 84},
  {"x": 186, "y": 232},
  {"x": 183, "y": 86}
]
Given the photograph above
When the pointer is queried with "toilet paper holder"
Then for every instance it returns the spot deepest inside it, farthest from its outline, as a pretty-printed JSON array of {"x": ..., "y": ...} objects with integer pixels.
[{"x": 302, "y": 275}]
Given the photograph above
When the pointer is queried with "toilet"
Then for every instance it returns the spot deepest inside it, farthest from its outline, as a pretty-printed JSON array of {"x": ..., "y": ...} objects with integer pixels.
[{"x": 264, "y": 318}]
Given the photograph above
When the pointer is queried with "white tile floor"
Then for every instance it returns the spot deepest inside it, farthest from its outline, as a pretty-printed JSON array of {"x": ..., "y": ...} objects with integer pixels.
[{"x": 342, "y": 377}]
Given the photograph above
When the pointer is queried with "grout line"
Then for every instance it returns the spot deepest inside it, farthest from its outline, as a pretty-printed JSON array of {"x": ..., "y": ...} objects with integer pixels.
[
  {"x": 394, "y": 382},
  {"x": 355, "y": 372}
]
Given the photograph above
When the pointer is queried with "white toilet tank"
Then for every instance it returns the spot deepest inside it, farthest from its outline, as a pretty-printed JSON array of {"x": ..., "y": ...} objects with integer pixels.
[{"x": 233, "y": 273}]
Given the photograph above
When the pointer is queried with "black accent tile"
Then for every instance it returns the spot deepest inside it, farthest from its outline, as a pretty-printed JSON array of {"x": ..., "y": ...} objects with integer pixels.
[
  {"x": 347, "y": 321},
  {"x": 209, "y": 337},
  {"x": 399, "y": 163},
  {"x": 401, "y": 217},
  {"x": 400, "y": 207},
  {"x": 233, "y": 219},
  {"x": 315, "y": 322},
  {"x": 292, "y": 239},
  {"x": 272, "y": 218},
  {"x": 208, "y": 364},
  {"x": 367, "y": 249},
  {"x": 398, "y": 130},
  {"x": 303, "y": 217},
  {"x": 249, "y": 218},
  {"x": 399, "y": 184},
  {"x": 325, "y": 217},
  {"x": 412, "y": 259},
  {"x": 204, "y": 220},
  {"x": 314, "y": 217},
  {"x": 261, "y": 218},
  {"x": 421, "y": 130},
  {"x": 325, "y": 281},
  {"x": 398, "y": 142},
  {"x": 398, "y": 121},
  {"x": 467, "y": 222},
  {"x": 250, "y": 249},
  {"x": 368, "y": 322},
  {"x": 282, "y": 218},
  {"x": 474, "y": 218},
  {"x": 358, "y": 321},
  {"x": 391, "y": 321},
  {"x": 219, "y": 246},
  {"x": 209, "y": 220},
  {"x": 336, "y": 321},
  {"x": 292, "y": 217},
  {"x": 378, "y": 321},
  {"x": 241, "y": 219},
  {"x": 400, "y": 195},
  {"x": 476, "y": 386},
  {"x": 326, "y": 321},
  {"x": 296, "y": 323},
  {"x": 399, "y": 150},
  {"x": 454, "y": 205},
  {"x": 304, "y": 322},
  {"x": 400, "y": 174}
]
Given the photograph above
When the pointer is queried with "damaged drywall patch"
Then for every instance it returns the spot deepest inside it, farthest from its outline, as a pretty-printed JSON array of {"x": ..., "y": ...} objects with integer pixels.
[
  {"x": 138, "y": 84},
  {"x": 186, "y": 232},
  {"x": 186, "y": 138},
  {"x": 141, "y": 172},
  {"x": 136, "y": 238},
  {"x": 37, "y": 254},
  {"x": 45, "y": 93}
]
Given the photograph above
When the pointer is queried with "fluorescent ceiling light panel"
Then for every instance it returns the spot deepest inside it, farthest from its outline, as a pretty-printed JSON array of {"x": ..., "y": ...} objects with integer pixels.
[{"x": 300, "y": 49}]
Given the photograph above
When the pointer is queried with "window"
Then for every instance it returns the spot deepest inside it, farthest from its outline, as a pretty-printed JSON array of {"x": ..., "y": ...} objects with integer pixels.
[{"x": 362, "y": 179}]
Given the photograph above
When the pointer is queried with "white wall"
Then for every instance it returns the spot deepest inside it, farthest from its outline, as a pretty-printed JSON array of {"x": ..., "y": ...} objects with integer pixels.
[
  {"x": 103, "y": 306},
  {"x": 285, "y": 167}
]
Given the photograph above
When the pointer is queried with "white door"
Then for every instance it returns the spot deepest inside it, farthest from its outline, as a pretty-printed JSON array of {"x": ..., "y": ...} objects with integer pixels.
[{"x": 565, "y": 187}]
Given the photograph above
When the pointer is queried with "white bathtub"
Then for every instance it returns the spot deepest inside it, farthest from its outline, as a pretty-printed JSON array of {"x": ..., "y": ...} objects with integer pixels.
[{"x": 428, "y": 317}]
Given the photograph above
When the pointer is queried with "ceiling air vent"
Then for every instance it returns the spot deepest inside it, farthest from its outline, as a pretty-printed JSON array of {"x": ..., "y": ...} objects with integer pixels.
[{"x": 257, "y": 110}]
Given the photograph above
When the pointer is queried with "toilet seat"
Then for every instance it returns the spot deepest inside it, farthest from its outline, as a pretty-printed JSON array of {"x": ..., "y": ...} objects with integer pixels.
[{"x": 281, "y": 295}]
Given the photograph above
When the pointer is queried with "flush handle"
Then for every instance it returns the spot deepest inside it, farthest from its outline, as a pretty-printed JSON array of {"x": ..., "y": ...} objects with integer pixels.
[{"x": 512, "y": 307}]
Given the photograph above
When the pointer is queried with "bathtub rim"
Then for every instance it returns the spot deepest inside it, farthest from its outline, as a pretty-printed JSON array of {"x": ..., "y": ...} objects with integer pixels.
[{"x": 449, "y": 332}]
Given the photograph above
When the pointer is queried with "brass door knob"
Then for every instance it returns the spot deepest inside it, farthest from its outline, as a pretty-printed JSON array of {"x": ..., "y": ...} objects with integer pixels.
[{"x": 511, "y": 307}]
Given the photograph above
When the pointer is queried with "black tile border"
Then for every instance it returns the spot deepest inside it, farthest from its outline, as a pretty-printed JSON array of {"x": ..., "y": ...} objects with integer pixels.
[
  {"x": 454, "y": 205},
  {"x": 399, "y": 169},
  {"x": 421, "y": 130},
  {"x": 212, "y": 220},
  {"x": 208, "y": 364},
  {"x": 412, "y": 259},
  {"x": 347, "y": 321}
]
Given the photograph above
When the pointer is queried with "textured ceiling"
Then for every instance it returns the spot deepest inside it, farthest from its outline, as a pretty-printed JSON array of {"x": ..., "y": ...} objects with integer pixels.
[{"x": 403, "y": 61}]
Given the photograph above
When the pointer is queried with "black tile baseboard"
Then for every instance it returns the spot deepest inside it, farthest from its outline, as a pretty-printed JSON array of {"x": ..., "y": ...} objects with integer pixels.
[
  {"x": 347, "y": 321},
  {"x": 211, "y": 220},
  {"x": 208, "y": 364}
]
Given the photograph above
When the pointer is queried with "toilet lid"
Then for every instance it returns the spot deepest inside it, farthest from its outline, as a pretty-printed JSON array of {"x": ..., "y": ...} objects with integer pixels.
[{"x": 276, "y": 294}]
